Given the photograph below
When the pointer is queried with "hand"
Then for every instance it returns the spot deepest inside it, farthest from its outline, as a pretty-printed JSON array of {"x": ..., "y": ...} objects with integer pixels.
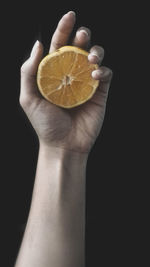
[{"x": 71, "y": 129}]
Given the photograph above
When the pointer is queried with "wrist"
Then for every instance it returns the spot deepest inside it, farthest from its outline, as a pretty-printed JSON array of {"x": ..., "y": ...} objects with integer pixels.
[
  {"x": 64, "y": 168},
  {"x": 60, "y": 175},
  {"x": 61, "y": 154}
]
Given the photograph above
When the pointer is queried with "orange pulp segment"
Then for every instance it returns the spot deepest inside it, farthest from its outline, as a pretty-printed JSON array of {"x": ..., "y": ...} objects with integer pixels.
[{"x": 64, "y": 77}]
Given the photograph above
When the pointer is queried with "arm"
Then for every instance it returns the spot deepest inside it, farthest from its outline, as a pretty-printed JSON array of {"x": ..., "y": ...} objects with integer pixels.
[{"x": 54, "y": 235}]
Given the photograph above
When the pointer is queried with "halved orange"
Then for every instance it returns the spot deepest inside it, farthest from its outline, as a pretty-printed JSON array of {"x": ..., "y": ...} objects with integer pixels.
[{"x": 64, "y": 77}]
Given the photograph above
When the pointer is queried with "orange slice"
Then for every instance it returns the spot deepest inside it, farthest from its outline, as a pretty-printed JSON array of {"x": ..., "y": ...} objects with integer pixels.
[{"x": 64, "y": 77}]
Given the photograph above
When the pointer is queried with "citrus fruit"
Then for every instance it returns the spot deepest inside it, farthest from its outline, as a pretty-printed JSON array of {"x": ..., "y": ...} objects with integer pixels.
[{"x": 64, "y": 77}]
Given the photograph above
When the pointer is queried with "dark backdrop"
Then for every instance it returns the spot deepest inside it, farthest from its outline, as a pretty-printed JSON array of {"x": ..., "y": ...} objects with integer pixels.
[{"x": 115, "y": 190}]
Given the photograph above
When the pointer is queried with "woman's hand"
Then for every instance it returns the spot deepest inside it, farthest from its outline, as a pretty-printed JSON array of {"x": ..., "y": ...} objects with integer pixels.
[{"x": 74, "y": 129}]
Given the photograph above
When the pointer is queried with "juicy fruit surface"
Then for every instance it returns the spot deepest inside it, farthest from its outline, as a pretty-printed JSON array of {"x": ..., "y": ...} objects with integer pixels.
[{"x": 64, "y": 77}]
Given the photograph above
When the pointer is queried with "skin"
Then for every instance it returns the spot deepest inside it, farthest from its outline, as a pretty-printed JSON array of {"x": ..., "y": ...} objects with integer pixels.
[{"x": 54, "y": 234}]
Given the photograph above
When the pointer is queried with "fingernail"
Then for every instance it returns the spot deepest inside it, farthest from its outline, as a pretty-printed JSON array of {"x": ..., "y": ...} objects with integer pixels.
[
  {"x": 97, "y": 73},
  {"x": 86, "y": 35},
  {"x": 33, "y": 52},
  {"x": 92, "y": 56},
  {"x": 71, "y": 13}
]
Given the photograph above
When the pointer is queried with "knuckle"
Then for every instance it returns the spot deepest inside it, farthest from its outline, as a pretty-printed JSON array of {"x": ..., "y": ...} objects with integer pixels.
[
  {"x": 24, "y": 101},
  {"x": 21, "y": 101},
  {"x": 111, "y": 73},
  {"x": 108, "y": 73},
  {"x": 24, "y": 67},
  {"x": 101, "y": 50},
  {"x": 57, "y": 44}
]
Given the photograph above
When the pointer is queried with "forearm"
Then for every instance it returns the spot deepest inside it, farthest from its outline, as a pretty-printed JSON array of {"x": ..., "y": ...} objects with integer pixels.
[{"x": 55, "y": 230}]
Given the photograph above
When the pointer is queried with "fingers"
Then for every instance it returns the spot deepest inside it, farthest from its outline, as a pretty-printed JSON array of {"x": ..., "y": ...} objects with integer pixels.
[
  {"x": 104, "y": 75},
  {"x": 28, "y": 72},
  {"x": 82, "y": 38},
  {"x": 96, "y": 54},
  {"x": 63, "y": 31}
]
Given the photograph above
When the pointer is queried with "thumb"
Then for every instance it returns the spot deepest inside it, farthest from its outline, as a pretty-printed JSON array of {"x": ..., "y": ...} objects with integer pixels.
[{"x": 29, "y": 70}]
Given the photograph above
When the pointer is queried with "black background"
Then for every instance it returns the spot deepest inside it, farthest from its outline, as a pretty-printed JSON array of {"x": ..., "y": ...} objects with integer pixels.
[{"x": 116, "y": 176}]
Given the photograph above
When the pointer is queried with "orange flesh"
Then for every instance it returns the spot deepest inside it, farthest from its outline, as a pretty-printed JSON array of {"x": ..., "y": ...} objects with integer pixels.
[{"x": 64, "y": 77}]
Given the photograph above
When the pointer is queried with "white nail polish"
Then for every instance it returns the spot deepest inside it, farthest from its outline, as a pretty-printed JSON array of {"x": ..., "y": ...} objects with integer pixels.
[
  {"x": 71, "y": 13},
  {"x": 79, "y": 34},
  {"x": 94, "y": 54},
  {"x": 97, "y": 73},
  {"x": 90, "y": 57},
  {"x": 83, "y": 31},
  {"x": 33, "y": 52}
]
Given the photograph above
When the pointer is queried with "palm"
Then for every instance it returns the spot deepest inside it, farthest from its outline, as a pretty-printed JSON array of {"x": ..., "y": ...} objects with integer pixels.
[{"x": 75, "y": 129}]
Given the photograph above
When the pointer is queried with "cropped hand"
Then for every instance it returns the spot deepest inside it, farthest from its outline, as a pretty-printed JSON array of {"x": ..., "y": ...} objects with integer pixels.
[{"x": 73, "y": 129}]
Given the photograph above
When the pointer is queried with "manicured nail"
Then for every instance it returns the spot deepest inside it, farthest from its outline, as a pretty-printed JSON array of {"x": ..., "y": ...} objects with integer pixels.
[
  {"x": 97, "y": 73},
  {"x": 71, "y": 13},
  {"x": 82, "y": 32},
  {"x": 93, "y": 57},
  {"x": 34, "y": 49}
]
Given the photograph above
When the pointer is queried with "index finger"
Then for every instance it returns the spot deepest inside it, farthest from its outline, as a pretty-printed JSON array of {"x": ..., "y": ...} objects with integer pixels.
[{"x": 63, "y": 31}]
